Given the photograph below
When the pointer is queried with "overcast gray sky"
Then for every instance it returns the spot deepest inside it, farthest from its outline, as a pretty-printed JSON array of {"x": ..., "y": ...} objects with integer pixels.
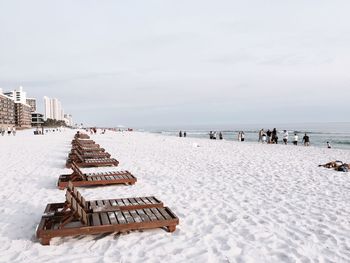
[{"x": 142, "y": 63}]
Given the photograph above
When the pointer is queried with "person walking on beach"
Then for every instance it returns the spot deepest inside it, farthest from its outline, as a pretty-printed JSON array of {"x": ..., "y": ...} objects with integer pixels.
[
  {"x": 274, "y": 135},
  {"x": 261, "y": 132},
  {"x": 264, "y": 138},
  {"x": 239, "y": 136},
  {"x": 329, "y": 145},
  {"x": 285, "y": 137},
  {"x": 14, "y": 131},
  {"x": 220, "y": 136},
  {"x": 306, "y": 140},
  {"x": 211, "y": 135},
  {"x": 242, "y": 136},
  {"x": 185, "y": 134},
  {"x": 268, "y": 133},
  {"x": 214, "y": 135},
  {"x": 180, "y": 134},
  {"x": 8, "y": 130},
  {"x": 295, "y": 142},
  {"x": 2, "y": 130}
]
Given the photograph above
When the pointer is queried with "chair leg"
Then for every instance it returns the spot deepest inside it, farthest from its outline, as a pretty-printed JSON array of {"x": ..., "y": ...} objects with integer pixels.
[
  {"x": 45, "y": 241},
  {"x": 171, "y": 229}
]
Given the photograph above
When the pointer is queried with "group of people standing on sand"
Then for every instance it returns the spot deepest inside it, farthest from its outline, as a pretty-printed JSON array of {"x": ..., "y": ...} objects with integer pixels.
[
  {"x": 271, "y": 137},
  {"x": 241, "y": 136},
  {"x": 215, "y": 135},
  {"x": 94, "y": 130},
  {"x": 182, "y": 134},
  {"x": 9, "y": 131}
]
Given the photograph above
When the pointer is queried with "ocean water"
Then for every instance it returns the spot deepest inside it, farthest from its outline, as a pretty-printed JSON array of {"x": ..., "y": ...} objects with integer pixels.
[{"x": 338, "y": 134}]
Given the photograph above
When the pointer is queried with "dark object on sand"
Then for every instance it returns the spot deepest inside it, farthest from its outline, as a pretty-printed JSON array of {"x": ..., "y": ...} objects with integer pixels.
[{"x": 336, "y": 165}]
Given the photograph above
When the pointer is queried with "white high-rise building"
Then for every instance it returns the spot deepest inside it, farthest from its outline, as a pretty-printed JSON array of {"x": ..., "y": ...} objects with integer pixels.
[
  {"x": 48, "y": 108},
  {"x": 18, "y": 95},
  {"x": 53, "y": 109},
  {"x": 56, "y": 106}
]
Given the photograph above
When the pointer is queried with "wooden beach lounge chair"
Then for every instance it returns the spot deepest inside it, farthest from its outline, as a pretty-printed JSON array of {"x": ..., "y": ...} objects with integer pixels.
[
  {"x": 83, "y": 142},
  {"x": 88, "y": 155},
  {"x": 78, "y": 178},
  {"x": 96, "y": 162},
  {"x": 71, "y": 219},
  {"x": 88, "y": 149},
  {"x": 79, "y": 135},
  {"x": 89, "y": 145}
]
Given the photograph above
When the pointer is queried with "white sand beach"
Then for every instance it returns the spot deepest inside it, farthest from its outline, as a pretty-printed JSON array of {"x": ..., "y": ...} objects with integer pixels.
[{"x": 237, "y": 202}]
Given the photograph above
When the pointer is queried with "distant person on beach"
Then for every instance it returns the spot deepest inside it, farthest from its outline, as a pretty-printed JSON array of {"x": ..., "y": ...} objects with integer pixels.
[
  {"x": 185, "y": 134},
  {"x": 8, "y": 130},
  {"x": 296, "y": 138},
  {"x": 264, "y": 138},
  {"x": 242, "y": 136},
  {"x": 210, "y": 135},
  {"x": 285, "y": 137},
  {"x": 220, "y": 136},
  {"x": 14, "y": 131},
  {"x": 239, "y": 136},
  {"x": 268, "y": 133},
  {"x": 214, "y": 135},
  {"x": 261, "y": 132},
  {"x": 274, "y": 135},
  {"x": 180, "y": 134},
  {"x": 306, "y": 140},
  {"x": 2, "y": 131},
  {"x": 329, "y": 145}
]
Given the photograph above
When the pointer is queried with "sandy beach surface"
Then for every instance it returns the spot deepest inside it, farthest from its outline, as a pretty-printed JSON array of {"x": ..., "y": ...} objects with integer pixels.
[{"x": 237, "y": 202}]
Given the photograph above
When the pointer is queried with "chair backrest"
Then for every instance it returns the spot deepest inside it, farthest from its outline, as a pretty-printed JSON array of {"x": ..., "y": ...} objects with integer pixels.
[
  {"x": 75, "y": 193},
  {"x": 78, "y": 155},
  {"x": 77, "y": 208},
  {"x": 76, "y": 170}
]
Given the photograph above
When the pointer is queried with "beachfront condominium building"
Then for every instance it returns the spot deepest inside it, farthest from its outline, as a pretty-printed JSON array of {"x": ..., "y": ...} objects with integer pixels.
[
  {"x": 7, "y": 111},
  {"x": 53, "y": 109},
  {"x": 32, "y": 103},
  {"x": 15, "y": 110},
  {"x": 23, "y": 116}
]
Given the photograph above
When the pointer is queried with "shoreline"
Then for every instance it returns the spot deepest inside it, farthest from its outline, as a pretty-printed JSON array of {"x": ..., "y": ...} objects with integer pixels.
[{"x": 317, "y": 139}]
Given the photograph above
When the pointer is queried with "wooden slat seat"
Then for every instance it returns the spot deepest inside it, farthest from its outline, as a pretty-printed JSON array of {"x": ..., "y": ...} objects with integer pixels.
[
  {"x": 113, "y": 204},
  {"x": 90, "y": 148},
  {"x": 83, "y": 141},
  {"x": 78, "y": 178},
  {"x": 88, "y": 155},
  {"x": 123, "y": 204}
]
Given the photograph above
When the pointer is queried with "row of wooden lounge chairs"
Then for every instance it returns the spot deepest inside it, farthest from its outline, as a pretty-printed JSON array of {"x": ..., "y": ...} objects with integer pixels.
[
  {"x": 76, "y": 216},
  {"x": 86, "y": 153}
]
